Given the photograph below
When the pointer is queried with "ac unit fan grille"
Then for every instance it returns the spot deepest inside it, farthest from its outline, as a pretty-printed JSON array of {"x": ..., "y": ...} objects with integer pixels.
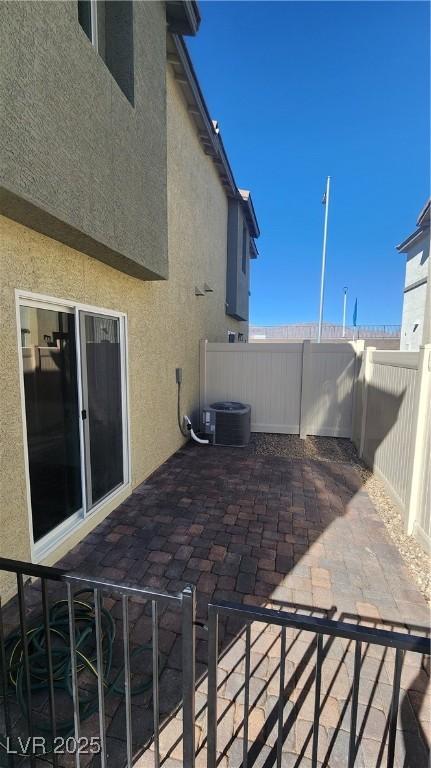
[{"x": 232, "y": 423}]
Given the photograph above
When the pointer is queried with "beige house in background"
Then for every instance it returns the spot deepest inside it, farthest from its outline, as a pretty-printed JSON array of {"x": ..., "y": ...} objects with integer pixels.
[{"x": 124, "y": 241}]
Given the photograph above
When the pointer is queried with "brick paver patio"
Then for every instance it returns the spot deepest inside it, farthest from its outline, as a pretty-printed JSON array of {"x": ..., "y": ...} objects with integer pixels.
[{"x": 267, "y": 531}]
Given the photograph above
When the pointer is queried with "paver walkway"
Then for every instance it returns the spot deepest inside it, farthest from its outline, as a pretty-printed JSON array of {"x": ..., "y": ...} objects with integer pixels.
[{"x": 269, "y": 531}]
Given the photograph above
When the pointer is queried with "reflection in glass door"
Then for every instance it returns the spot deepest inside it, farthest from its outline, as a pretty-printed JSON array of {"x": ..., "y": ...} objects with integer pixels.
[
  {"x": 75, "y": 409},
  {"x": 102, "y": 402},
  {"x": 48, "y": 351}
]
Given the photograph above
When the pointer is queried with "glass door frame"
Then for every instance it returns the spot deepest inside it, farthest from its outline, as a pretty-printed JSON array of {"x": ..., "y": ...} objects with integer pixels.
[
  {"x": 81, "y": 315},
  {"x": 55, "y": 537}
]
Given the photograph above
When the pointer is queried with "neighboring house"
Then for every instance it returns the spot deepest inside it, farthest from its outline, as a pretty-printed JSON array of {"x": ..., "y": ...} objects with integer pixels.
[
  {"x": 416, "y": 321},
  {"x": 124, "y": 241}
]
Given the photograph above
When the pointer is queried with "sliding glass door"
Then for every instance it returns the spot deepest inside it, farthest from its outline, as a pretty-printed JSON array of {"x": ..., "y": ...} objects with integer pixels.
[
  {"x": 73, "y": 365},
  {"x": 48, "y": 351},
  {"x": 102, "y": 401}
]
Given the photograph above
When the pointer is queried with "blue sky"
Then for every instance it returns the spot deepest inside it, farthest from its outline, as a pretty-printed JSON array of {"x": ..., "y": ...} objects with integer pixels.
[{"x": 306, "y": 89}]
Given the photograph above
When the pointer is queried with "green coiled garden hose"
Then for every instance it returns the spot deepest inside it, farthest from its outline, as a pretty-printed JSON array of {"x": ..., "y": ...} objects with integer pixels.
[{"x": 85, "y": 643}]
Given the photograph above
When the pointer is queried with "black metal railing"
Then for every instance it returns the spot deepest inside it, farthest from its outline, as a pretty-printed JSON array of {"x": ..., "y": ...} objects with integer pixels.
[
  {"x": 76, "y": 583},
  {"x": 319, "y": 627}
]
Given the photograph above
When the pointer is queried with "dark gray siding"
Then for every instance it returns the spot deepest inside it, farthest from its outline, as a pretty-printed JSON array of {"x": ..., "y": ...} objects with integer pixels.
[
  {"x": 79, "y": 161},
  {"x": 238, "y": 270}
]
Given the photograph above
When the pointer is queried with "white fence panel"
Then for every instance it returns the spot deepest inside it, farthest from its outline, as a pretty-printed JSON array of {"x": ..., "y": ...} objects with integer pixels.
[
  {"x": 419, "y": 512},
  {"x": 384, "y": 404},
  {"x": 292, "y": 388},
  {"x": 268, "y": 377},
  {"x": 390, "y": 418},
  {"x": 330, "y": 404},
  {"x": 422, "y": 527}
]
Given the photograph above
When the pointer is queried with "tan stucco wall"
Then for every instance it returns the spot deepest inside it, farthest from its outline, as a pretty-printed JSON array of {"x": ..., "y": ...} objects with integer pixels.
[
  {"x": 72, "y": 146},
  {"x": 165, "y": 319}
]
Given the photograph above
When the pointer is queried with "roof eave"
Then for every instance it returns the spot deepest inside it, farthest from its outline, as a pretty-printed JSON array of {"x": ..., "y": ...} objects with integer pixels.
[
  {"x": 183, "y": 16},
  {"x": 424, "y": 216},
  {"x": 211, "y": 141},
  {"x": 254, "y": 253},
  {"x": 207, "y": 129},
  {"x": 411, "y": 240},
  {"x": 250, "y": 213}
]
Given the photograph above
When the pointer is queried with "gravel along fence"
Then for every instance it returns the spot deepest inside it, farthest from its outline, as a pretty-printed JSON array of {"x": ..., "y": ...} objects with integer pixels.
[{"x": 342, "y": 450}]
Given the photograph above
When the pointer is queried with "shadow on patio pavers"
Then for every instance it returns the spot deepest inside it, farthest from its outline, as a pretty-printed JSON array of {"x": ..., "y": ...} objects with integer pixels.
[
  {"x": 298, "y": 705},
  {"x": 301, "y": 535}
]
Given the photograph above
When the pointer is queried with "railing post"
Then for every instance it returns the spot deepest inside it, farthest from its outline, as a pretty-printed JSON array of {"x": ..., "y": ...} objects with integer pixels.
[
  {"x": 393, "y": 715},
  {"x": 203, "y": 351},
  {"x": 25, "y": 657},
  {"x": 367, "y": 376},
  {"x": 5, "y": 683},
  {"x": 417, "y": 474},
  {"x": 100, "y": 675},
  {"x": 74, "y": 669},
  {"x": 212, "y": 686},
  {"x": 305, "y": 388},
  {"x": 188, "y": 664},
  {"x": 51, "y": 695}
]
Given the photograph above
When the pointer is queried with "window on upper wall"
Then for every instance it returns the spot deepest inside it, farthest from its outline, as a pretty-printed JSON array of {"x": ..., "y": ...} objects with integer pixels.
[
  {"x": 244, "y": 250},
  {"x": 87, "y": 17},
  {"x": 119, "y": 45},
  {"x": 109, "y": 27}
]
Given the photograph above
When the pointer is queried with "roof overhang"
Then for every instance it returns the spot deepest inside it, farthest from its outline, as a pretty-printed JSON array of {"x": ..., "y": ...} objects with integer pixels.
[
  {"x": 423, "y": 225},
  {"x": 208, "y": 133},
  {"x": 424, "y": 216},
  {"x": 183, "y": 16},
  {"x": 207, "y": 129},
  {"x": 412, "y": 239},
  {"x": 254, "y": 253},
  {"x": 249, "y": 212}
]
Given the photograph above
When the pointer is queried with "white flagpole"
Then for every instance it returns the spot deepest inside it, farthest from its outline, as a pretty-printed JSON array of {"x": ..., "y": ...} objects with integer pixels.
[
  {"x": 344, "y": 311},
  {"x": 322, "y": 277}
]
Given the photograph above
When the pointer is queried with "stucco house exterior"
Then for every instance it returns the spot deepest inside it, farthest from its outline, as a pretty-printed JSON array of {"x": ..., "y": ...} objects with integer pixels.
[
  {"x": 416, "y": 318},
  {"x": 124, "y": 241}
]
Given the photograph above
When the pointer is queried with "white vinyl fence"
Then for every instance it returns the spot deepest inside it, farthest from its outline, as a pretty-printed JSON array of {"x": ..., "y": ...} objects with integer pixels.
[
  {"x": 392, "y": 429},
  {"x": 381, "y": 399},
  {"x": 303, "y": 388},
  {"x": 388, "y": 416}
]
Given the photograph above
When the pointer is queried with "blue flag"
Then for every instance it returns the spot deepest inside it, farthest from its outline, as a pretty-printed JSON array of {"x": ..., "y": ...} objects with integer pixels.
[{"x": 355, "y": 313}]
